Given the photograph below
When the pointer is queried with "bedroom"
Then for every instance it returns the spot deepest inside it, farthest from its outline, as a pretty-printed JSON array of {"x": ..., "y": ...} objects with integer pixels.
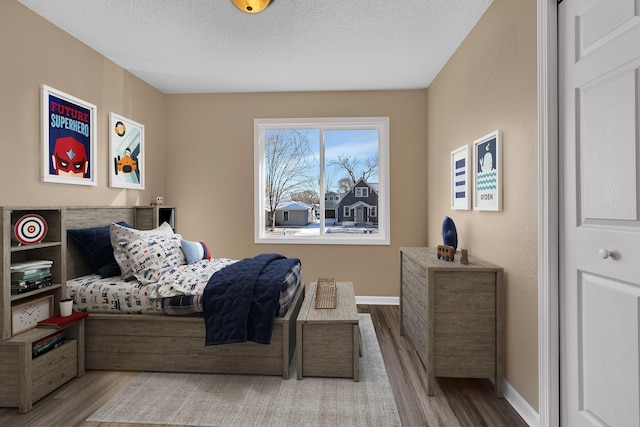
[{"x": 192, "y": 140}]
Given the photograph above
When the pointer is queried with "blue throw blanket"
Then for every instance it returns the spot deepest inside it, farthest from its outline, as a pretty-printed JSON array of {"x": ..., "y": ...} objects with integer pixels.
[{"x": 240, "y": 301}]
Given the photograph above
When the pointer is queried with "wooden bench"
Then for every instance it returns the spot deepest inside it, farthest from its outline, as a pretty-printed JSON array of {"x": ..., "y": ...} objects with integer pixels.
[{"x": 329, "y": 338}]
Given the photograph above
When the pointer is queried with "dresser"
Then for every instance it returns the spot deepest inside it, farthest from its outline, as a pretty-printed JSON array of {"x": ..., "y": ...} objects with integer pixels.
[{"x": 453, "y": 313}]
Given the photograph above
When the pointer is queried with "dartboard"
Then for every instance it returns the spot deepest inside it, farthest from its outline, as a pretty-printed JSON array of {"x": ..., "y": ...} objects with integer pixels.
[{"x": 30, "y": 229}]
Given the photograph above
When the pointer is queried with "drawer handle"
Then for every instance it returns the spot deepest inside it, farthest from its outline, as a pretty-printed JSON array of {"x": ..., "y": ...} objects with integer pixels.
[{"x": 55, "y": 363}]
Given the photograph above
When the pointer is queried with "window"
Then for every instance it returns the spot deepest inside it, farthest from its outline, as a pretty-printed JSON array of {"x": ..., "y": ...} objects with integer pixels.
[
  {"x": 362, "y": 192},
  {"x": 322, "y": 168}
]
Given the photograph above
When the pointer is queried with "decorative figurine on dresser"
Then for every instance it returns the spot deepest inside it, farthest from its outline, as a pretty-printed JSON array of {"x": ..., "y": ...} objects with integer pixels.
[
  {"x": 453, "y": 313},
  {"x": 447, "y": 250}
]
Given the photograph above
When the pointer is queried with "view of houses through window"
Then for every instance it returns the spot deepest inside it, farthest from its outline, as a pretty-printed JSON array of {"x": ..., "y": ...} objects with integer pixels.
[{"x": 322, "y": 180}]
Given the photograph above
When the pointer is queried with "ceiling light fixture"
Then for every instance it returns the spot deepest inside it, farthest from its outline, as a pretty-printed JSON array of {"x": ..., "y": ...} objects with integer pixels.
[{"x": 251, "y": 6}]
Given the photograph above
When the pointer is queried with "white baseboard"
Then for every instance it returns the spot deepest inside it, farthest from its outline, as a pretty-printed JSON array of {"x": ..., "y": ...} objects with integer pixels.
[
  {"x": 378, "y": 300},
  {"x": 521, "y": 406}
]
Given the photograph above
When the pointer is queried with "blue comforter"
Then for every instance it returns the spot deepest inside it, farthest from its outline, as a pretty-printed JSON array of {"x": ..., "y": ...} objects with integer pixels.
[{"x": 240, "y": 301}]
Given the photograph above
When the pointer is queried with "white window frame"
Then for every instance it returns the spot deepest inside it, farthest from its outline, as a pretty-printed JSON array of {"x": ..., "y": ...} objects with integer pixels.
[
  {"x": 362, "y": 192},
  {"x": 346, "y": 211},
  {"x": 383, "y": 237},
  {"x": 373, "y": 211}
]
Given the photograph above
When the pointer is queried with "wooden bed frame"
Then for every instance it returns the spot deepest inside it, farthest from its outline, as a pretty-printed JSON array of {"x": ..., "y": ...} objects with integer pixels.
[{"x": 169, "y": 343}]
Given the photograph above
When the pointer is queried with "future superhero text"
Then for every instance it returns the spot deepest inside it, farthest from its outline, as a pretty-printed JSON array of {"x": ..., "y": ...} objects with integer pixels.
[{"x": 65, "y": 117}]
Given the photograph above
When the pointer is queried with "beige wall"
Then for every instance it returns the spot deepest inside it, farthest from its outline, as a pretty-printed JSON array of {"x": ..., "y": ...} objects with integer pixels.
[
  {"x": 34, "y": 52},
  {"x": 489, "y": 84},
  {"x": 210, "y": 177},
  {"x": 199, "y": 155}
]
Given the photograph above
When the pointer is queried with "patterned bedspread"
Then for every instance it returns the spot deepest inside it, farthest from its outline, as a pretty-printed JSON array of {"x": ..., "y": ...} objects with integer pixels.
[
  {"x": 179, "y": 291},
  {"x": 184, "y": 305},
  {"x": 189, "y": 279},
  {"x": 112, "y": 295}
]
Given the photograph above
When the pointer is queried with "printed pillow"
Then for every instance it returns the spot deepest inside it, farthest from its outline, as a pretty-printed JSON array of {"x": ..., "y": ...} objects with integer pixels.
[
  {"x": 120, "y": 234},
  {"x": 195, "y": 251},
  {"x": 151, "y": 256},
  {"x": 95, "y": 245}
]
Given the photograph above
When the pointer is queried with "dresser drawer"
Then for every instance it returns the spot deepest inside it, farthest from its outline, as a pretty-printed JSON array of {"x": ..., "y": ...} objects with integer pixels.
[
  {"x": 54, "y": 368},
  {"x": 410, "y": 265}
]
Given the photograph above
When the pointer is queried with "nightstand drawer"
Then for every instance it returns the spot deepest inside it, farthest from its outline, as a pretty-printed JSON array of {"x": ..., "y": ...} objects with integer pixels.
[{"x": 54, "y": 368}]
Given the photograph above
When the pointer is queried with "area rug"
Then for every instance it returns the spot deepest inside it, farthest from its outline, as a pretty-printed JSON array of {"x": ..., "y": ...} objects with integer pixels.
[{"x": 248, "y": 400}]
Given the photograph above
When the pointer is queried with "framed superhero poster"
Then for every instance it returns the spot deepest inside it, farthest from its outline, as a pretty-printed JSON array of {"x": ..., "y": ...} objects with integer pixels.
[
  {"x": 126, "y": 153},
  {"x": 68, "y": 139}
]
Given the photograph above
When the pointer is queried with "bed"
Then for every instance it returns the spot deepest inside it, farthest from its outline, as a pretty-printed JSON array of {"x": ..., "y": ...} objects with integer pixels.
[{"x": 155, "y": 341}]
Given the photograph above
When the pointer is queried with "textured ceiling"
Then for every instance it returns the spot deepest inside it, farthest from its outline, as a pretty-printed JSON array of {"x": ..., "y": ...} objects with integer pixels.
[{"x": 209, "y": 46}]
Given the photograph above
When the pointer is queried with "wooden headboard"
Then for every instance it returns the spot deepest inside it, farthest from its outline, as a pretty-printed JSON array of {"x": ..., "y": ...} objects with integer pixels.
[{"x": 86, "y": 217}]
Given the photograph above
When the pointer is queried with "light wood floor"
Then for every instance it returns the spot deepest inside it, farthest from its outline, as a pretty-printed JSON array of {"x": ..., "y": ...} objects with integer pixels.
[{"x": 457, "y": 402}]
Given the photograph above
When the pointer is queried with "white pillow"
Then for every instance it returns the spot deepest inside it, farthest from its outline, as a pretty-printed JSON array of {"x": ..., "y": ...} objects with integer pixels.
[
  {"x": 152, "y": 256},
  {"x": 119, "y": 234}
]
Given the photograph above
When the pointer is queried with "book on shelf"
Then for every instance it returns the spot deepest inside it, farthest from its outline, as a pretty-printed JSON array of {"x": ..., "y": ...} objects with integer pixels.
[
  {"x": 58, "y": 322},
  {"x": 28, "y": 282},
  {"x": 31, "y": 265},
  {"x": 39, "y": 273},
  {"x": 47, "y": 343},
  {"x": 34, "y": 273},
  {"x": 30, "y": 285}
]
